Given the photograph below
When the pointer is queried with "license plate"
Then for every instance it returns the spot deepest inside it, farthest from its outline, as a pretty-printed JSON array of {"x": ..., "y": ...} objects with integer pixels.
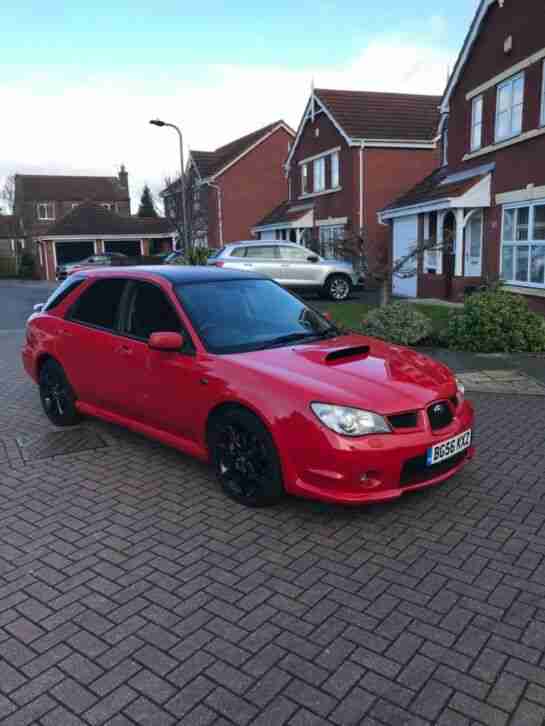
[{"x": 448, "y": 448}]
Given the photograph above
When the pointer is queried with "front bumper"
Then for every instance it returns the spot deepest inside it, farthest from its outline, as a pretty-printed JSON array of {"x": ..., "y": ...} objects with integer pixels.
[{"x": 375, "y": 468}]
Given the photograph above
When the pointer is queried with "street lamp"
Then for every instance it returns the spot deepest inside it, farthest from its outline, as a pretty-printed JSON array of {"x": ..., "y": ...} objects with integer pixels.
[{"x": 158, "y": 122}]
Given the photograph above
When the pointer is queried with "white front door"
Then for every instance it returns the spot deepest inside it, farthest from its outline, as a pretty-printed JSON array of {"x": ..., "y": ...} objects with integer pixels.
[
  {"x": 474, "y": 246},
  {"x": 405, "y": 238}
]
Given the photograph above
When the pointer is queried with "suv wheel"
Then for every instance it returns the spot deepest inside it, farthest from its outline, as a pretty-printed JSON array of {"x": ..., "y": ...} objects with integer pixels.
[{"x": 338, "y": 287}]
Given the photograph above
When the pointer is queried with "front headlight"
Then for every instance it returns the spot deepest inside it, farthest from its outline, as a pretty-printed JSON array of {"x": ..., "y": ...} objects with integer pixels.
[
  {"x": 461, "y": 389},
  {"x": 350, "y": 421}
]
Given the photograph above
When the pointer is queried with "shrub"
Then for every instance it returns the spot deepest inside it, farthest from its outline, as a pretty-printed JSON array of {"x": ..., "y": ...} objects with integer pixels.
[
  {"x": 496, "y": 321},
  {"x": 194, "y": 256},
  {"x": 397, "y": 323},
  {"x": 27, "y": 265}
]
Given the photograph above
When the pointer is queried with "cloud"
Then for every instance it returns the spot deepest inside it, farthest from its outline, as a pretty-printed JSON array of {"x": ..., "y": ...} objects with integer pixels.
[{"x": 94, "y": 125}]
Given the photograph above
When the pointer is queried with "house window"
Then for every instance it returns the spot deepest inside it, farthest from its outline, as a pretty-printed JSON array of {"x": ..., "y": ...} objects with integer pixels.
[
  {"x": 335, "y": 170},
  {"x": 46, "y": 210},
  {"x": 329, "y": 236},
  {"x": 509, "y": 103},
  {"x": 523, "y": 245},
  {"x": 304, "y": 178},
  {"x": 476, "y": 123},
  {"x": 319, "y": 174}
]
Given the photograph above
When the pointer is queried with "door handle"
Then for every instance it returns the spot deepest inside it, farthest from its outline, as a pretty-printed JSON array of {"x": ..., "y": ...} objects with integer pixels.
[{"x": 247, "y": 264}]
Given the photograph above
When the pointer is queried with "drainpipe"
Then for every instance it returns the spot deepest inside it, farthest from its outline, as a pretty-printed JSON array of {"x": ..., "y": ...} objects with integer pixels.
[
  {"x": 362, "y": 146},
  {"x": 220, "y": 215}
]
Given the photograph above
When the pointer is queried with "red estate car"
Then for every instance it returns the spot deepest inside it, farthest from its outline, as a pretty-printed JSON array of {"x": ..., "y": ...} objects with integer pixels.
[{"x": 230, "y": 367}]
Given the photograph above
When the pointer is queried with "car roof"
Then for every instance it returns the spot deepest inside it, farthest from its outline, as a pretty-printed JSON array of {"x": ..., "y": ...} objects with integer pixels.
[
  {"x": 261, "y": 243},
  {"x": 175, "y": 274}
]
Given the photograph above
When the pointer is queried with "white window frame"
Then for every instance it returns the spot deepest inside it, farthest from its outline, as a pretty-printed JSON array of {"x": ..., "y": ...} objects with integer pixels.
[
  {"x": 48, "y": 207},
  {"x": 335, "y": 163},
  {"x": 543, "y": 95},
  {"x": 514, "y": 244},
  {"x": 318, "y": 174},
  {"x": 304, "y": 178},
  {"x": 509, "y": 82},
  {"x": 474, "y": 146},
  {"x": 444, "y": 147}
]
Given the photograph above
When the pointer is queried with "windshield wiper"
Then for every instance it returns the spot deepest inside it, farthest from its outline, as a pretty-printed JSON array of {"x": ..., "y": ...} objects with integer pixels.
[{"x": 284, "y": 339}]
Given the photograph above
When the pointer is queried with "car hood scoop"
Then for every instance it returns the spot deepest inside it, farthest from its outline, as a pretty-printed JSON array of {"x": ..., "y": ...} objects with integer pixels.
[{"x": 351, "y": 352}]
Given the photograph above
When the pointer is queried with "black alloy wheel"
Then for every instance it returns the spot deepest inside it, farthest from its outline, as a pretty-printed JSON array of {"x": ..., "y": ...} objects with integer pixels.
[
  {"x": 245, "y": 458},
  {"x": 58, "y": 399},
  {"x": 338, "y": 287}
]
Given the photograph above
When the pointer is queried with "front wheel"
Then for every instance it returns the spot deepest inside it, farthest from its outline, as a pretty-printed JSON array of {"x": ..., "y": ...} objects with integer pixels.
[
  {"x": 58, "y": 398},
  {"x": 245, "y": 458},
  {"x": 338, "y": 287}
]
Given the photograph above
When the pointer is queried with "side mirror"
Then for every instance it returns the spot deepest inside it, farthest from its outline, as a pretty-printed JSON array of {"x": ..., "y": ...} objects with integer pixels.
[
  {"x": 38, "y": 307},
  {"x": 313, "y": 258},
  {"x": 167, "y": 342}
]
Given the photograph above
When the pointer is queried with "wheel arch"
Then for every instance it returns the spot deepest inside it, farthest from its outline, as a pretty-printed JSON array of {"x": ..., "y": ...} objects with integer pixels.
[{"x": 234, "y": 406}]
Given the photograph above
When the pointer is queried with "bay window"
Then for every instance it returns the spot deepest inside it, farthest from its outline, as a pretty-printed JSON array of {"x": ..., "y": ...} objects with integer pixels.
[
  {"x": 476, "y": 123},
  {"x": 523, "y": 245},
  {"x": 509, "y": 104},
  {"x": 319, "y": 174}
]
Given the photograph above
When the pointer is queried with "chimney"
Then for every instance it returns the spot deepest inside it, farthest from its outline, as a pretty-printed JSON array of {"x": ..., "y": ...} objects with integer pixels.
[{"x": 124, "y": 178}]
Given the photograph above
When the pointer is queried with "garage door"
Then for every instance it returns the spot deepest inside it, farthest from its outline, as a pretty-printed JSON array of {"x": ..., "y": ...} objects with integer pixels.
[
  {"x": 73, "y": 251},
  {"x": 129, "y": 247},
  {"x": 405, "y": 237}
]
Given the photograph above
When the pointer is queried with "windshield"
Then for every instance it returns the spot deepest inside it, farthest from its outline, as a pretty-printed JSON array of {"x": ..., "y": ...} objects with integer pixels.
[{"x": 234, "y": 316}]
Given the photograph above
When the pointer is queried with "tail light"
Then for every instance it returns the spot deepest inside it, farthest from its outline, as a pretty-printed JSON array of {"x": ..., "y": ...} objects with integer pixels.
[{"x": 220, "y": 263}]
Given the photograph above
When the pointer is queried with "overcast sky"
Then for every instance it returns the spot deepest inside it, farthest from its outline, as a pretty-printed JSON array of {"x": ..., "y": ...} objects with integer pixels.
[{"x": 79, "y": 81}]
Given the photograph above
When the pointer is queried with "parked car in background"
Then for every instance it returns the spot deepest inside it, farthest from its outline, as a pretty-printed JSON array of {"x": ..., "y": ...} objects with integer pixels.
[
  {"x": 230, "y": 367},
  {"x": 291, "y": 265},
  {"x": 108, "y": 258},
  {"x": 174, "y": 258}
]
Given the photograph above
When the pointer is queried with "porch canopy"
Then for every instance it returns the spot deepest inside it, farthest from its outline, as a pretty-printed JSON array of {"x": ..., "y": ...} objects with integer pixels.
[
  {"x": 464, "y": 192},
  {"x": 288, "y": 221}
]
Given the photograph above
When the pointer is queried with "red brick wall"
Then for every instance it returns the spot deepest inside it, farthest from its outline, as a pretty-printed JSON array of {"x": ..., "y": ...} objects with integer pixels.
[{"x": 250, "y": 189}]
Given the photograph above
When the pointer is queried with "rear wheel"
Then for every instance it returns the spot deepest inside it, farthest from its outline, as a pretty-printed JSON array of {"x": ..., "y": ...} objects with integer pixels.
[
  {"x": 58, "y": 398},
  {"x": 245, "y": 458},
  {"x": 338, "y": 287}
]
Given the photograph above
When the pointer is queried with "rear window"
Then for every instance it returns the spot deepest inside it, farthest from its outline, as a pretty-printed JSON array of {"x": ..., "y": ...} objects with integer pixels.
[
  {"x": 99, "y": 304},
  {"x": 62, "y": 292},
  {"x": 216, "y": 253}
]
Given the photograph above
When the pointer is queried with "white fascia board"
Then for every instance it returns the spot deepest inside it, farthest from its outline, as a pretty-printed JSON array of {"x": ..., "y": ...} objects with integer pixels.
[
  {"x": 306, "y": 220},
  {"x": 478, "y": 195},
  {"x": 92, "y": 238},
  {"x": 319, "y": 156},
  {"x": 446, "y": 203},
  {"x": 250, "y": 148},
  {"x": 394, "y": 143},
  {"x": 464, "y": 54}
]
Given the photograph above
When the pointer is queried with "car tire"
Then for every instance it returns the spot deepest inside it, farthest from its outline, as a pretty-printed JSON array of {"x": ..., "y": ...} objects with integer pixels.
[
  {"x": 245, "y": 459},
  {"x": 338, "y": 287},
  {"x": 57, "y": 396}
]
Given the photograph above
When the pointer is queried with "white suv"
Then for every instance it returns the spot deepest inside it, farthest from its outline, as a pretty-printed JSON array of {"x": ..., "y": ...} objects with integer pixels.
[{"x": 290, "y": 265}]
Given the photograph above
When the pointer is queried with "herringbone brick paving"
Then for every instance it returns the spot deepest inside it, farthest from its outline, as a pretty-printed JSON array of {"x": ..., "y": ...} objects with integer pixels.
[{"x": 133, "y": 592}]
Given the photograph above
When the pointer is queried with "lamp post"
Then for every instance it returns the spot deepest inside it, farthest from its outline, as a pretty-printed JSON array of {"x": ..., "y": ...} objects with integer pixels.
[{"x": 158, "y": 122}]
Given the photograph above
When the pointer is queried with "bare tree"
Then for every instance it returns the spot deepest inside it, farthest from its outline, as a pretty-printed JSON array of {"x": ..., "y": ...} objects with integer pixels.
[
  {"x": 7, "y": 193},
  {"x": 380, "y": 271}
]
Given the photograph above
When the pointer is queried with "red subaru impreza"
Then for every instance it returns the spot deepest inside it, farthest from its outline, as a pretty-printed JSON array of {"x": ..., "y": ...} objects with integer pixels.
[{"x": 230, "y": 367}]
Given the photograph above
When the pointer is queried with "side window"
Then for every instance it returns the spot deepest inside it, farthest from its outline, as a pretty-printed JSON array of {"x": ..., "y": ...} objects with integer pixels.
[
  {"x": 99, "y": 304},
  {"x": 238, "y": 252},
  {"x": 294, "y": 253},
  {"x": 265, "y": 252},
  {"x": 62, "y": 292},
  {"x": 150, "y": 311}
]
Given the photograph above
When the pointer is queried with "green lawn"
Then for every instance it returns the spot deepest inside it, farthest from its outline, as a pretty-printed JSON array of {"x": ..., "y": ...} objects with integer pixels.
[{"x": 350, "y": 314}]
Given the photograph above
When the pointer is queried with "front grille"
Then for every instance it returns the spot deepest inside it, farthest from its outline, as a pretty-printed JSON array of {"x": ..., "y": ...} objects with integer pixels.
[
  {"x": 440, "y": 415},
  {"x": 417, "y": 471},
  {"x": 404, "y": 420}
]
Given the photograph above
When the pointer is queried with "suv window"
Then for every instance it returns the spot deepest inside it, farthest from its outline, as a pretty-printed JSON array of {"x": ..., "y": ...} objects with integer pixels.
[
  {"x": 238, "y": 252},
  {"x": 265, "y": 252},
  {"x": 150, "y": 311},
  {"x": 294, "y": 253},
  {"x": 62, "y": 292},
  {"x": 99, "y": 304}
]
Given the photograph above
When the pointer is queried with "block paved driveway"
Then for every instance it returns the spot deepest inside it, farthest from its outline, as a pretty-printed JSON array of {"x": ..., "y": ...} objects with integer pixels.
[{"x": 133, "y": 592}]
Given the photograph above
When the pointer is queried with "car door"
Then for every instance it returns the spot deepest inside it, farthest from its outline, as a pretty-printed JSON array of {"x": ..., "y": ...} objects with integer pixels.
[
  {"x": 164, "y": 389},
  {"x": 264, "y": 260},
  {"x": 300, "y": 269},
  {"x": 88, "y": 342}
]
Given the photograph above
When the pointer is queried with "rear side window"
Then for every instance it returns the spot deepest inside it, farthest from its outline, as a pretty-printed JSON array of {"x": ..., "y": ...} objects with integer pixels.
[
  {"x": 238, "y": 252},
  {"x": 99, "y": 304},
  {"x": 62, "y": 292},
  {"x": 216, "y": 253},
  {"x": 265, "y": 252},
  {"x": 294, "y": 253}
]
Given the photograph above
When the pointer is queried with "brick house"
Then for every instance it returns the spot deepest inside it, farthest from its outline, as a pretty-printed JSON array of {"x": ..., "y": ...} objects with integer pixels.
[
  {"x": 93, "y": 229},
  {"x": 353, "y": 152},
  {"x": 11, "y": 235},
  {"x": 229, "y": 188},
  {"x": 488, "y": 195}
]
